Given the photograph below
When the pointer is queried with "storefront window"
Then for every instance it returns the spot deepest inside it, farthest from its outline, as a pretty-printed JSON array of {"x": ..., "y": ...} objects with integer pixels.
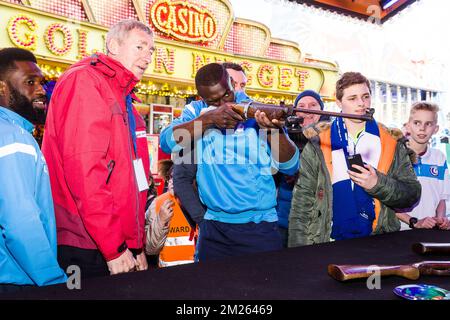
[
  {"x": 435, "y": 97},
  {"x": 394, "y": 97},
  {"x": 394, "y": 104},
  {"x": 383, "y": 99},
  {"x": 413, "y": 95},
  {"x": 423, "y": 95},
  {"x": 160, "y": 121},
  {"x": 372, "y": 87},
  {"x": 178, "y": 102},
  {"x": 147, "y": 119},
  {"x": 403, "y": 103}
]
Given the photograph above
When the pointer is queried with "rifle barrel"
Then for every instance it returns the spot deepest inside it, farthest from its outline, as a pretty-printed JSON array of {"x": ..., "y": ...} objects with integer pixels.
[
  {"x": 431, "y": 248},
  {"x": 248, "y": 110},
  {"x": 366, "y": 117}
]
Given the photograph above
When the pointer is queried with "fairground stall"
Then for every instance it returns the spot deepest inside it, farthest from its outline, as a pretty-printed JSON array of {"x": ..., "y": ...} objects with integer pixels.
[{"x": 189, "y": 34}]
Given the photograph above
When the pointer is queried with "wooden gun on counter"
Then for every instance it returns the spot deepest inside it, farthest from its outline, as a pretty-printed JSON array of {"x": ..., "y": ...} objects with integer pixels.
[{"x": 409, "y": 271}]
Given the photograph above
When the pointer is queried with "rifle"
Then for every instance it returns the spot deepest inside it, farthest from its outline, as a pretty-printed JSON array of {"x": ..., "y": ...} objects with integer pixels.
[
  {"x": 409, "y": 271},
  {"x": 287, "y": 113},
  {"x": 431, "y": 248}
]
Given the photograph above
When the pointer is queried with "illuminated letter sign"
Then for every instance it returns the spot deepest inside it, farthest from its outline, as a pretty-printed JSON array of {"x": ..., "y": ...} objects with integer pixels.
[
  {"x": 302, "y": 76},
  {"x": 184, "y": 21},
  {"x": 82, "y": 44},
  {"x": 67, "y": 39},
  {"x": 165, "y": 60},
  {"x": 265, "y": 77},
  {"x": 285, "y": 81},
  {"x": 199, "y": 61},
  {"x": 26, "y": 40}
]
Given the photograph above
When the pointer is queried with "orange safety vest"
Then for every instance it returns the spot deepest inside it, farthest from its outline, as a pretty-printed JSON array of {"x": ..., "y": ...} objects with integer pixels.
[{"x": 179, "y": 247}]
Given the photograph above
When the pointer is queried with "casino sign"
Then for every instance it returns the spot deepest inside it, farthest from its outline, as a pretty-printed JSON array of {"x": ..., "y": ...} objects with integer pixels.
[{"x": 184, "y": 21}]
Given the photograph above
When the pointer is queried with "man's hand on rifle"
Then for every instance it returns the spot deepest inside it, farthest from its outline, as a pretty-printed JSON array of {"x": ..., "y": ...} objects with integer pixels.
[
  {"x": 264, "y": 122},
  {"x": 224, "y": 117}
]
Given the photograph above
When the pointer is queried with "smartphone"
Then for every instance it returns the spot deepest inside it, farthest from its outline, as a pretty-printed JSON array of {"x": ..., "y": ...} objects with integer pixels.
[{"x": 354, "y": 159}]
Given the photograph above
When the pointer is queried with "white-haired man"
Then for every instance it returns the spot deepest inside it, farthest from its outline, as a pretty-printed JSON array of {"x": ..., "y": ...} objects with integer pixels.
[{"x": 96, "y": 149}]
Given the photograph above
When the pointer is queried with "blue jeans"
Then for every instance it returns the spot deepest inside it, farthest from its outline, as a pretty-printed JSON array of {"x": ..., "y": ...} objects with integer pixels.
[
  {"x": 11, "y": 288},
  {"x": 219, "y": 240},
  {"x": 284, "y": 236}
]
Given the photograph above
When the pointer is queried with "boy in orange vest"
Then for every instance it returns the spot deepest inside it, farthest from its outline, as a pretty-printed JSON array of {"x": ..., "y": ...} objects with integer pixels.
[{"x": 168, "y": 233}]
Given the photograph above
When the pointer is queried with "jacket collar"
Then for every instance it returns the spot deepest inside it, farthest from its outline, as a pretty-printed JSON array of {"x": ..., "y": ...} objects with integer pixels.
[
  {"x": 112, "y": 68},
  {"x": 16, "y": 119},
  {"x": 426, "y": 154}
]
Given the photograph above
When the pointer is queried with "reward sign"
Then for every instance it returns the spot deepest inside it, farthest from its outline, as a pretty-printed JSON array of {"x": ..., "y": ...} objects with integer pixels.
[{"x": 184, "y": 21}]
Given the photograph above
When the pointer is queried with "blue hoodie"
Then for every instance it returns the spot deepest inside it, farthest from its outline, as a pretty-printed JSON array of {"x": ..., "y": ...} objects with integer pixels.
[{"x": 27, "y": 220}]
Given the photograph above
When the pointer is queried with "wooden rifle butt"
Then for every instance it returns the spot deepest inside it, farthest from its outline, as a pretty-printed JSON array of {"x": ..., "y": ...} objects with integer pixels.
[{"x": 350, "y": 272}]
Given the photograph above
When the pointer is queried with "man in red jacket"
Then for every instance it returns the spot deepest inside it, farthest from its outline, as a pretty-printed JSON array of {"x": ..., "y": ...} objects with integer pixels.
[{"x": 96, "y": 149}]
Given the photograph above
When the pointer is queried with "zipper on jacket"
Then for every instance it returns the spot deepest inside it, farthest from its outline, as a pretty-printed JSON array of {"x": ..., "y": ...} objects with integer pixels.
[
  {"x": 135, "y": 181},
  {"x": 111, "y": 165}
]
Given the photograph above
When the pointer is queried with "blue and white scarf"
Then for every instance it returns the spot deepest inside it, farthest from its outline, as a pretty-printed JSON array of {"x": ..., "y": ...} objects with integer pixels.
[{"x": 353, "y": 208}]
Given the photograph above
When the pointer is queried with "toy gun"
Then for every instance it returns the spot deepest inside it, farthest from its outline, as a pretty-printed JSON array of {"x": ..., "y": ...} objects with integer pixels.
[
  {"x": 288, "y": 113},
  {"x": 431, "y": 248},
  {"x": 409, "y": 271}
]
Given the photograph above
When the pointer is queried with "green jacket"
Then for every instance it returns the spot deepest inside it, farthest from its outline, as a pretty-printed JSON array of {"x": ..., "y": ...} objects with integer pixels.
[{"x": 310, "y": 218}]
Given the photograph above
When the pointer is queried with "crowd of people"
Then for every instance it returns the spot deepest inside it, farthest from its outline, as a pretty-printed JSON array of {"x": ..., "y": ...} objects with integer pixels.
[{"x": 236, "y": 184}]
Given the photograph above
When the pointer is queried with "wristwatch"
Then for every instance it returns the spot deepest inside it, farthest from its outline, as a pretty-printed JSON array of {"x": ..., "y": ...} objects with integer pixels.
[{"x": 412, "y": 222}]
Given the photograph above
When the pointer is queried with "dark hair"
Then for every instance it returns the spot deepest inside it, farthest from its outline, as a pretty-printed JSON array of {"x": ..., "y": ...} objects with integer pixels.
[
  {"x": 234, "y": 66},
  {"x": 165, "y": 167},
  {"x": 9, "y": 55},
  {"x": 349, "y": 79},
  {"x": 210, "y": 75}
]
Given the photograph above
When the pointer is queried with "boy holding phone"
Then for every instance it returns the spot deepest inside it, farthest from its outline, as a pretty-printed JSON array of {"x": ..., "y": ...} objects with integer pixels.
[
  {"x": 352, "y": 174},
  {"x": 431, "y": 170}
]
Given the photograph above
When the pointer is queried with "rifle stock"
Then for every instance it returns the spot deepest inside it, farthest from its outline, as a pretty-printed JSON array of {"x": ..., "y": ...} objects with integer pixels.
[
  {"x": 431, "y": 248},
  {"x": 272, "y": 111},
  {"x": 409, "y": 271},
  {"x": 349, "y": 272}
]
